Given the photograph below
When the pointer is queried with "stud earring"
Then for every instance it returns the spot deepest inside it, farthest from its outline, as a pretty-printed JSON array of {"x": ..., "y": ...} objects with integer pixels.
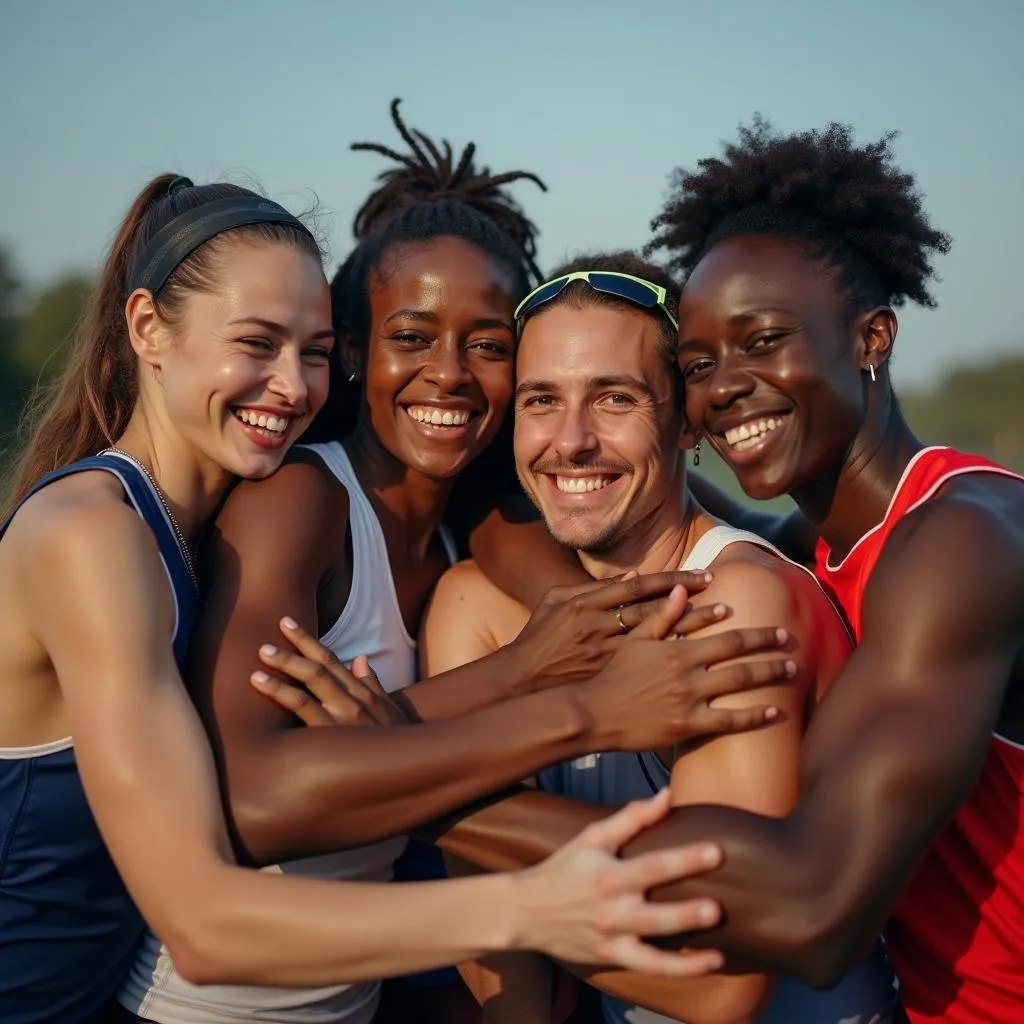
[
  {"x": 871, "y": 370},
  {"x": 696, "y": 454}
]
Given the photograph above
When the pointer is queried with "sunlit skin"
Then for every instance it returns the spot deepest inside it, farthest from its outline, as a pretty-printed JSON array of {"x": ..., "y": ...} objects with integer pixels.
[
  {"x": 441, "y": 338},
  {"x": 258, "y": 345},
  {"x": 766, "y": 334},
  {"x": 594, "y": 403}
]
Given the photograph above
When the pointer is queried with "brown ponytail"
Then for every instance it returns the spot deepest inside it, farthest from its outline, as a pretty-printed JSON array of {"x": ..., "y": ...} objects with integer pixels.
[{"x": 89, "y": 406}]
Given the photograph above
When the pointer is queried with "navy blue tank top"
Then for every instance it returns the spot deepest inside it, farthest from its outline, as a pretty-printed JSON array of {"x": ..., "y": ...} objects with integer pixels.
[{"x": 68, "y": 928}]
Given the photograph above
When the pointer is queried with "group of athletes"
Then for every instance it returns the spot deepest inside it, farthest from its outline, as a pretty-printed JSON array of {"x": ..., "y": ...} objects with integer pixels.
[{"x": 668, "y": 758}]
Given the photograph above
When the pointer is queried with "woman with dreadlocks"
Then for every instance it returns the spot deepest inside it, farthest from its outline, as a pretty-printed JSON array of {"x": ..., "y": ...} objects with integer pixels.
[{"x": 348, "y": 538}]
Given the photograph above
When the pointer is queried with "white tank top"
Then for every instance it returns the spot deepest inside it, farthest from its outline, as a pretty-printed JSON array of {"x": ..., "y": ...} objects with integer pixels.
[{"x": 370, "y": 624}]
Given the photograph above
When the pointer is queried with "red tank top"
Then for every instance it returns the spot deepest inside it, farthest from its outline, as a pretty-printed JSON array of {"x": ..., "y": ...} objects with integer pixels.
[{"x": 956, "y": 937}]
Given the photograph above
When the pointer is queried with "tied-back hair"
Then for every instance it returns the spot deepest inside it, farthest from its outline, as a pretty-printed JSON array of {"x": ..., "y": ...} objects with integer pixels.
[
  {"x": 88, "y": 407},
  {"x": 427, "y": 194},
  {"x": 848, "y": 204}
]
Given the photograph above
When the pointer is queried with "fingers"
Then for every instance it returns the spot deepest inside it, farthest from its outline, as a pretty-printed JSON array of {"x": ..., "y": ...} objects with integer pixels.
[
  {"x": 735, "y": 643},
  {"x": 719, "y": 721},
  {"x": 695, "y": 619},
  {"x": 748, "y": 675},
  {"x": 612, "y": 833},
  {"x": 629, "y": 952},
  {"x": 658, "y": 624},
  {"x": 641, "y": 588},
  {"x": 292, "y": 699},
  {"x": 648, "y": 871},
  {"x": 362, "y": 671}
]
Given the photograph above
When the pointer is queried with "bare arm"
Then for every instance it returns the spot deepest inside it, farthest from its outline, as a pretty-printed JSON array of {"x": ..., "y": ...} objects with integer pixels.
[
  {"x": 925, "y": 686},
  {"x": 515, "y": 551},
  {"x": 95, "y": 592},
  {"x": 296, "y": 792}
]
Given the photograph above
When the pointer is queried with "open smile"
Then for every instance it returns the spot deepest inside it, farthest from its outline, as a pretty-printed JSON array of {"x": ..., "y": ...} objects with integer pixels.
[
  {"x": 578, "y": 486},
  {"x": 748, "y": 440},
  {"x": 265, "y": 428}
]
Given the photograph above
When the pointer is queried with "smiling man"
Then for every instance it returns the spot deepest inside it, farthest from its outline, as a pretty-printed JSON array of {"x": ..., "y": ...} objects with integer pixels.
[{"x": 599, "y": 443}]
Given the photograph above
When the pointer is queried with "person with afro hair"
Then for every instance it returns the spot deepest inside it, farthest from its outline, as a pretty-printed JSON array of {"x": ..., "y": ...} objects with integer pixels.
[{"x": 797, "y": 250}]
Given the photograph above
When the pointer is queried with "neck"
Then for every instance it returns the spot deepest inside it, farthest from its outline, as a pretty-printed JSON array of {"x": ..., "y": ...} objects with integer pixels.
[
  {"x": 192, "y": 486},
  {"x": 846, "y": 500},
  {"x": 408, "y": 504},
  {"x": 658, "y": 543}
]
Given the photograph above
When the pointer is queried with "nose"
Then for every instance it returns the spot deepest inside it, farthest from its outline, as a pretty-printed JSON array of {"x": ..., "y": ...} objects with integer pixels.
[
  {"x": 575, "y": 440},
  {"x": 729, "y": 381},
  {"x": 288, "y": 378},
  {"x": 446, "y": 365}
]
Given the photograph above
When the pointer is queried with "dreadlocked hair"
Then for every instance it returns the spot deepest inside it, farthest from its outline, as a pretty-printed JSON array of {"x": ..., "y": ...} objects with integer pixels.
[
  {"x": 428, "y": 195},
  {"x": 849, "y": 205},
  {"x": 579, "y": 295}
]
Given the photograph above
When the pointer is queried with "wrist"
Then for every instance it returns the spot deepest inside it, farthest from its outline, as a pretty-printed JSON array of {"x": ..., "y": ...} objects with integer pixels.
[
  {"x": 516, "y": 670},
  {"x": 503, "y": 907},
  {"x": 593, "y": 733}
]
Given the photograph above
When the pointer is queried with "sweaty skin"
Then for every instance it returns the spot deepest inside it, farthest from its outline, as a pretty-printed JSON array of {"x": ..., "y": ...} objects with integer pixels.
[
  {"x": 572, "y": 415},
  {"x": 898, "y": 744}
]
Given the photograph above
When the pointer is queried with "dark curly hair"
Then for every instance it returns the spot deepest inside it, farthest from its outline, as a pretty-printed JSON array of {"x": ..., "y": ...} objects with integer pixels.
[
  {"x": 578, "y": 295},
  {"x": 849, "y": 205}
]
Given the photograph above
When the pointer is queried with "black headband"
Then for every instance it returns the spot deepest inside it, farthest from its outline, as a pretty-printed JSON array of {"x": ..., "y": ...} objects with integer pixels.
[{"x": 175, "y": 241}]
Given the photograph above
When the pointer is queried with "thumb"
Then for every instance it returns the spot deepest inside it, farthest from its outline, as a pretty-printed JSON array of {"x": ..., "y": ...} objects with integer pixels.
[
  {"x": 611, "y": 834},
  {"x": 658, "y": 624}
]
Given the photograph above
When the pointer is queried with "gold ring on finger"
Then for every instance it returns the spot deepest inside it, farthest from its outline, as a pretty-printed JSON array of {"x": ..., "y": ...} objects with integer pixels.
[{"x": 618, "y": 618}]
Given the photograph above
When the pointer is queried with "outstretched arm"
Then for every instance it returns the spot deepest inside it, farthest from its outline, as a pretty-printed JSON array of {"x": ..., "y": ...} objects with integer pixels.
[
  {"x": 889, "y": 757},
  {"x": 95, "y": 592},
  {"x": 294, "y": 792}
]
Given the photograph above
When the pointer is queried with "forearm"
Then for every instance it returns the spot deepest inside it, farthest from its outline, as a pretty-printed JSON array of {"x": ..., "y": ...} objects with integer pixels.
[
  {"x": 258, "y": 929},
  {"x": 309, "y": 791},
  {"x": 769, "y": 926},
  {"x": 518, "y": 555},
  {"x": 472, "y": 687}
]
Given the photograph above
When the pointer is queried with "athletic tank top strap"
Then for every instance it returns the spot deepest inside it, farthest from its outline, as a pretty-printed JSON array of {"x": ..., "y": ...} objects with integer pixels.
[
  {"x": 140, "y": 493},
  {"x": 716, "y": 540}
]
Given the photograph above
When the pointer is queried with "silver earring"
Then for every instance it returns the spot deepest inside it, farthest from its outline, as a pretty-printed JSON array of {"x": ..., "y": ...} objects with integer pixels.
[
  {"x": 871, "y": 370},
  {"x": 696, "y": 454},
  {"x": 352, "y": 376}
]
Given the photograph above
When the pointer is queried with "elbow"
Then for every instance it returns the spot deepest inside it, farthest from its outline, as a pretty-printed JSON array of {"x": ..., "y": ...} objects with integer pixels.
[
  {"x": 821, "y": 947},
  {"x": 257, "y": 824},
  {"x": 194, "y": 938}
]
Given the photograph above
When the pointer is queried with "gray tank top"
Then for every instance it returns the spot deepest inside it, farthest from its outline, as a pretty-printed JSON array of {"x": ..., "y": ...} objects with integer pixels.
[{"x": 867, "y": 995}]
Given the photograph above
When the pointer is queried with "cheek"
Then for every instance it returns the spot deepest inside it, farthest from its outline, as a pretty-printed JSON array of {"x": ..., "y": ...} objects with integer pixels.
[
  {"x": 317, "y": 380},
  {"x": 531, "y": 438},
  {"x": 496, "y": 384}
]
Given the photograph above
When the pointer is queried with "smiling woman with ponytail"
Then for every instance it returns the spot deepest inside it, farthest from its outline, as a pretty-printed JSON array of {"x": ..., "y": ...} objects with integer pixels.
[{"x": 204, "y": 355}]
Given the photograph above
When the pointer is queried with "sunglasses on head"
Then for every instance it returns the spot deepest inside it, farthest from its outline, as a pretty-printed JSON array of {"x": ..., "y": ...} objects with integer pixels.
[{"x": 636, "y": 290}]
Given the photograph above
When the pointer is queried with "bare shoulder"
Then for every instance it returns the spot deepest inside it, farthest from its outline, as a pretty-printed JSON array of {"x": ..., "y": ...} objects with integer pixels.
[
  {"x": 748, "y": 576},
  {"x": 303, "y": 492},
  {"x": 466, "y": 599},
  {"x": 81, "y": 518}
]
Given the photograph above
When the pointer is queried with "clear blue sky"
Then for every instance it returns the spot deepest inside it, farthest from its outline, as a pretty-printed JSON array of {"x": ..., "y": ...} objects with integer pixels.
[{"x": 601, "y": 99}]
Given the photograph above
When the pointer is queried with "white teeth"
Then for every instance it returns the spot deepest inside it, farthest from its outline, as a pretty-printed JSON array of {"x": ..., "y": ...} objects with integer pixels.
[
  {"x": 437, "y": 417},
  {"x": 260, "y": 420},
  {"x": 582, "y": 484},
  {"x": 750, "y": 431}
]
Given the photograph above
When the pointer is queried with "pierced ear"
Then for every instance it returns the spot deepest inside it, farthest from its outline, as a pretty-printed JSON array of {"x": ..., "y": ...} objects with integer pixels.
[
  {"x": 350, "y": 356},
  {"x": 689, "y": 437},
  {"x": 146, "y": 331},
  {"x": 877, "y": 331}
]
